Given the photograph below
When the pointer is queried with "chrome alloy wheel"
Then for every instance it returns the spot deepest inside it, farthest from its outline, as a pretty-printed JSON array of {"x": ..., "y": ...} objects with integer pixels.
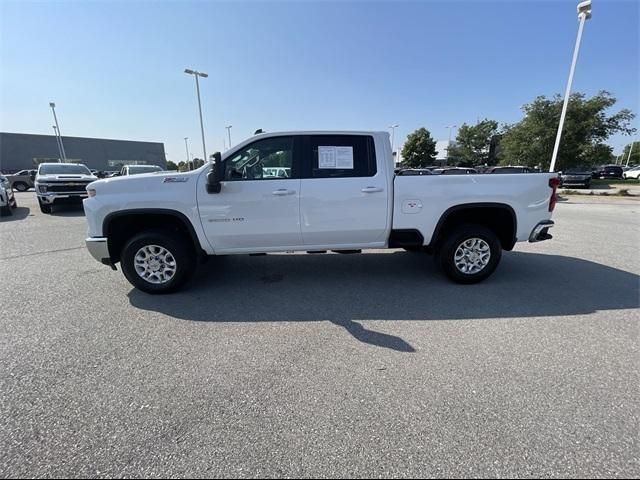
[
  {"x": 155, "y": 264},
  {"x": 472, "y": 256}
]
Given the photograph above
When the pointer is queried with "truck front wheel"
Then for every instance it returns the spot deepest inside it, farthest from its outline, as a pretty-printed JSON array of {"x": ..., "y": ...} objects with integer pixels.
[
  {"x": 469, "y": 253},
  {"x": 157, "y": 261},
  {"x": 44, "y": 207}
]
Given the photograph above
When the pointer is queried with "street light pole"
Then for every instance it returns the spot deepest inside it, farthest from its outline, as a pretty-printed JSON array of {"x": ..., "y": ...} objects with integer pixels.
[
  {"x": 393, "y": 134},
  {"x": 450, "y": 127},
  {"x": 59, "y": 133},
  {"x": 55, "y": 131},
  {"x": 203, "y": 75},
  {"x": 186, "y": 146},
  {"x": 629, "y": 156},
  {"x": 228, "y": 127},
  {"x": 584, "y": 14}
]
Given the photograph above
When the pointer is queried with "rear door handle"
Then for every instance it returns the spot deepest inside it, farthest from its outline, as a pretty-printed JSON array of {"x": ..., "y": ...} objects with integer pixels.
[
  {"x": 283, "y": 191},
  {"x": 372, "y": 189}
]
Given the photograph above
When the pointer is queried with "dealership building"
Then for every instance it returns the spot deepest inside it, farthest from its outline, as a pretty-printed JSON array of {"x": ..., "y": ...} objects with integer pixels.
[{"x": 23, "y": 151}]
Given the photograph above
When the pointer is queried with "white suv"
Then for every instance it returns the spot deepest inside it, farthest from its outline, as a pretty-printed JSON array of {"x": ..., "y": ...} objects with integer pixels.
[
  {"x": 632, "y": 173},
  {"x": 7, "y": 199}
]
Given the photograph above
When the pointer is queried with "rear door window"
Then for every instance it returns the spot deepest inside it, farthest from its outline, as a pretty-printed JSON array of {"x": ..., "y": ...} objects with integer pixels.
[{"x": 331, "y": 156}]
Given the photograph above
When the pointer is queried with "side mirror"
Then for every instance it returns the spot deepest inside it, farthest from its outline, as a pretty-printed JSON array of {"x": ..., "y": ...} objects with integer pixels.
[{"x": 216, "y": 174}]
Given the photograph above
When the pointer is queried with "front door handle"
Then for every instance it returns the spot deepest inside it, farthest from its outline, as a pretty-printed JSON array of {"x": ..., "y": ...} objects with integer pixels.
[
  {"x": 372, "y": 189},
  {"x": 283, "y": 191}
]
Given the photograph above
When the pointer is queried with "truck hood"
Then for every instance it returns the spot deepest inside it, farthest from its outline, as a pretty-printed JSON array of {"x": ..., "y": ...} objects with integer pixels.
[
  {"x": 145, "y": 181},
  {"x": 66, "y": 178}
]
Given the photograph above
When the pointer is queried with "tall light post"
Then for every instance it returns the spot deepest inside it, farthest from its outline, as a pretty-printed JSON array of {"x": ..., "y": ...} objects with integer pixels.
[
  {"x": 450, "y": 127},
  {"x": 393, "y": 134},
  {"x": 584, "y": 14},
  {"x": 228, "y": 127},
  {"x": 196, "y": 75},
  {"x": 629, "y": 156},
  {"x": 55, "y": 131},
  {"x": 186, "y": 146},
  {"x": 59, "y": 133}
]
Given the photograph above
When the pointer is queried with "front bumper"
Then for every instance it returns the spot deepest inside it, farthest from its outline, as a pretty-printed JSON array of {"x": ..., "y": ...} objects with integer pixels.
[
  {"x": 541, "y": 231},
  {"x": 99, "y": 249},
  {"x": 51, "y": 197}
]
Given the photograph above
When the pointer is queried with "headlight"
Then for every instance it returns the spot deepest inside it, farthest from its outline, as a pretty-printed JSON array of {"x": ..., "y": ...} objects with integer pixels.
[
  {"x": 42, "y": 188},
  {"x": 91, "y": 192}
]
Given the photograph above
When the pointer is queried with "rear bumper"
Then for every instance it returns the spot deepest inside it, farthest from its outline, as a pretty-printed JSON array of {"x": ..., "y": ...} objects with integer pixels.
[
  {"x": 99, "y": 249},
  {"x": 541, "y": 231}
]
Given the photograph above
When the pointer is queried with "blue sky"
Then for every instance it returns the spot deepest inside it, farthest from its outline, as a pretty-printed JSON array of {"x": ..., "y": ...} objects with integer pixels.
[{"x": 115, "y": 69}]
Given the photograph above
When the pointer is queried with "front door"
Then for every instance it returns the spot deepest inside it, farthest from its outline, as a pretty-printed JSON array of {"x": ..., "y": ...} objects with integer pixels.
[{"x": 258, "y": 207}]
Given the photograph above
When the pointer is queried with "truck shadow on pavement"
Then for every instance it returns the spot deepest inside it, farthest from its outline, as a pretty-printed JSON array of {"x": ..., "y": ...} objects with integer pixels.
[
  {"x": 68, "y": 210},
  {"x": 390, "y": 286},
  {"x": 19, "y": 213}
]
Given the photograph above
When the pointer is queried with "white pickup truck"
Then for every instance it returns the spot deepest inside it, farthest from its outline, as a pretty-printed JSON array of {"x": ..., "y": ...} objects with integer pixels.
[{"x": 310, "y": 191}]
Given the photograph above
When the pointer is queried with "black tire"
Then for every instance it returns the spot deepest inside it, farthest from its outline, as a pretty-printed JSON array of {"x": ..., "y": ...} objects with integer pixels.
[
  {"x": 587, "y": 185},
  {"x": 454, "y": 239},
  {"x": 44, "y": 207},
  {"x": 20, "y": 186},
  {"x": 176, "y": 245},
  {"x": 5, "y": 211}
]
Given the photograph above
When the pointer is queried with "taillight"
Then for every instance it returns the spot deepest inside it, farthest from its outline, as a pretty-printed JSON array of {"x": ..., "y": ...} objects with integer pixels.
[{"x": 553, "y": 183}]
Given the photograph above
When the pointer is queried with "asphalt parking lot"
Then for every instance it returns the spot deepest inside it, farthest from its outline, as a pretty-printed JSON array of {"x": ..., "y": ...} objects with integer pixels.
[{"x": 324, "y": 365}]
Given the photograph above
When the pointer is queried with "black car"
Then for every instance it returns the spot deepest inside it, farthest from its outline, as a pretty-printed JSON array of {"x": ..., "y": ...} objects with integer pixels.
[
  {"x": 511, "y": 169},
  {"x": 455, "y": 171},
  {"x": 414, "y": 171},
  {"x": 576, "y": 177},
  {"x": 608, "y": 171}
]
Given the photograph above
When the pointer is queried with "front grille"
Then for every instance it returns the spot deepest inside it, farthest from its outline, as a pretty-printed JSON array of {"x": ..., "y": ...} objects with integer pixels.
[{"x": 66, "y": 187}]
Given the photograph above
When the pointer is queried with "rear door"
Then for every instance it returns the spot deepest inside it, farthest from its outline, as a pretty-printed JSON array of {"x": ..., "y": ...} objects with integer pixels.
[{"x": 344, "y": 198}]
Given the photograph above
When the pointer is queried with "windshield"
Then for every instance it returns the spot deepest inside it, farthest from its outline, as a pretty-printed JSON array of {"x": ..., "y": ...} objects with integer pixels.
[
  {"x": 63, "y": 169},
  {"x": 147, "y": 169}
]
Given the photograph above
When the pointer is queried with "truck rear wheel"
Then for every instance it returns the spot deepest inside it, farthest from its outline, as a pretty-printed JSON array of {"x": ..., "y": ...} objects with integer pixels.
[
  {"x": 469, "y": 253},
  {"x": 157, "y": 261}
]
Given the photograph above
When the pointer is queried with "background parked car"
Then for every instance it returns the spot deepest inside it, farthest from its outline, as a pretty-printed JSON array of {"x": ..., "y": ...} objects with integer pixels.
[
  {"x": 512, "y": 169},
  {"x": 632, "y": 173},
  {"x": 455, "y": 171},
  {"x": 7, "y": 199},
  {"x": 414, "y": 171},
  {"x": 576, "y": 177},
  {"x": 609, "y": 171},
  {"x": 22, "y": 181},
  {"x": 138, "y": 169}
]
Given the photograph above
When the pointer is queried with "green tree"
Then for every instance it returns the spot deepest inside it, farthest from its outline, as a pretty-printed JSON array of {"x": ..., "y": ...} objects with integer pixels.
[
  {"x": 587, "y": 126},
  {"x": 171, "y": 165},
  {"x": 474, "y": 144},
  {"x": 635, "y": 154},
  {"x": 419, "y": 150}
]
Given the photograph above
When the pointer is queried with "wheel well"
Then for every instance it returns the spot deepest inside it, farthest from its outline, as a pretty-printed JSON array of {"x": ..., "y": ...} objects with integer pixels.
[
  {"x": 499, "y": 218},
  {"x": 120, "y": 227}
]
